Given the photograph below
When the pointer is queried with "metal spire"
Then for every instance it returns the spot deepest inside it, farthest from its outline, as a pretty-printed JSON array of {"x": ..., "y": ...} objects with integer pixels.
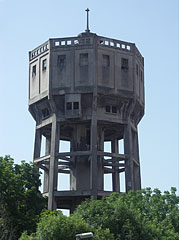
[{"x": 87, "y": 28}]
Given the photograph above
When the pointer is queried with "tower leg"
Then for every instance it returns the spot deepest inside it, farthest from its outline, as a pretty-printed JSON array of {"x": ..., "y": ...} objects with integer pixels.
[
  {"x": 115, "y": 174},
  {"x": 129, "y": 162},
  {"x": 93, "y": 164},
  {"x": 132, "y": 168},
  {"x": 137, "y": 177},
  {"x": 46, "y": 173},
  {"x": 53, "y": 171}
]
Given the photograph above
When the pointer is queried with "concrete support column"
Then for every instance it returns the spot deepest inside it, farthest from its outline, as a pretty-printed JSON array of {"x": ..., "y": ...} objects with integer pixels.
[
  {"x": 129, "y": 179},
  {"x": 46, "y": 173},
  {"x": 53, "y": 171},
  {"x": 137, "y": 176},
  {"x": 37, "y": 143},
  {"x": 93, "y": 163},
  {"x": 115, "y": 174}
]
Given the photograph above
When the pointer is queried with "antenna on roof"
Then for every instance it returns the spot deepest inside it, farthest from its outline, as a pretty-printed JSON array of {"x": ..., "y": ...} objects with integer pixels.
[{"x": 87, "y": 27}]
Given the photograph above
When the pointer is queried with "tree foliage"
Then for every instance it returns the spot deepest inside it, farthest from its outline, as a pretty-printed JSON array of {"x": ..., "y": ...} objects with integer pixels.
[
  {"x": 56, "y": 226},
  {"x": 138, "y": 215},
  {"x": 20, "y": 200}
]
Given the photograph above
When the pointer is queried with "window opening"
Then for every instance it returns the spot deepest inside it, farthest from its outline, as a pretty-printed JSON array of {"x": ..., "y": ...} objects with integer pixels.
[
  {"x": 128, "y": 47},
  {"x": 76, "y": 42},
  {"x": 57, "y": 44},
  {"x": 106, "y": 42},
  {"x": 114, "y": 109},
  {"x": 124, "y": 64},
  {"x": 62, "y": 43},
  {"x": 69, "y": 42},
  {"x": 45, "y": 113},
  {"x": 44, "y": 64},
  {"x": 118, "y": 45},
  {"x": 137, "y": 69},
  {"x": 141, "y": 75},
  {"x": 108, "y": 108},
  {"x": 88, "y": 137},
  {"x": 61, "y": 61},
  {"x": 76, "y": 105},
  {"x": 69, "y": 105},
  {"x": 34, "y": 71},
  {"x": 106, "y": 61},
  {"x": 84, "y": 59}
]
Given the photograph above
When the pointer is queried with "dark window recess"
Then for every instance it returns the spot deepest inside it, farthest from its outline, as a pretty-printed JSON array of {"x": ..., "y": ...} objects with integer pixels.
[
  {"x": 34, "y": 71},
  {"x": 61, "y": 61},
  {"x": 76, "y": 105},
  {"x": 44, "y": 64},
  {"x": 69, "y": 105},
  {"x": 137, "y": 69},
  {"x": 141, "y": 75},
  {"x": 84, "y": 59},
  {"x": 45, "y": 113},
  {"x": 108, "y": 108},
  {"x": 88, "y": 137},
  {"x": 106, "y": 61},
  {"x": 114, "y": 109},
  {"x": 124, "y": 64}
]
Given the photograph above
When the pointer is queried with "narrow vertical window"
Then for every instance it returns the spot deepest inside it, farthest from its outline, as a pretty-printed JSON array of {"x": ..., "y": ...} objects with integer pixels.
[
  {"x": 69, "y": 106},
  {"x": 34, "y": 71},
  {"x": 137, "y": 69},
  {"x": 84, "y": 59},
  {"x": 108, "y": 109},
  {"x": 76, "y": 105},
  {"x": 141, "y": 75},
  {"x": 45, "y": 113},
  {"x": 114, "y": 109},
  {"x": 61, "y": 61},
  {"x": 44, "y": 64},
  {"x": 106, "y": 61},
  {"x": 124, "y": 64}
]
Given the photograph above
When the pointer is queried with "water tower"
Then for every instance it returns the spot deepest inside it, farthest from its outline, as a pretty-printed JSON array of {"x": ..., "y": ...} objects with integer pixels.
[{"x": 87, "y": 90}]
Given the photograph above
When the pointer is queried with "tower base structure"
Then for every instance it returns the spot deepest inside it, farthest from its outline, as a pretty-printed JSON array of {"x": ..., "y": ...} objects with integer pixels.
[{"x": 86, "y": 163}]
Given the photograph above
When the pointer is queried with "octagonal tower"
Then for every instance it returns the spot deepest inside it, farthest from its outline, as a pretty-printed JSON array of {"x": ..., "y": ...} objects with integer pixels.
[{"x": 87, "y": 90}]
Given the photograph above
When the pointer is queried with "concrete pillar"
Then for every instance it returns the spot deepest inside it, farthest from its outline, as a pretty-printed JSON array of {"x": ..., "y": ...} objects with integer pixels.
[
  {"x": 137, "y": 176},
  {"x": 46, "y": 173},
  {"x": 53, "y": 171},
  {"x": 129, "y": 163},
  {"x": 93, "y": 163},
  {"x": 115, "y": 174},
  {"x": 132, "y": 168}
]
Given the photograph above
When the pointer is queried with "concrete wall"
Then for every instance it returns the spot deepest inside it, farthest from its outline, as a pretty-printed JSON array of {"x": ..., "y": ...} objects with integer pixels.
[{"x": 38, "y": 80}]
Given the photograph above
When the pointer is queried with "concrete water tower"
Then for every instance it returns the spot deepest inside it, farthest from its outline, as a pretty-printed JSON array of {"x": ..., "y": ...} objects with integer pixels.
[{"x": 87, "y": 90}]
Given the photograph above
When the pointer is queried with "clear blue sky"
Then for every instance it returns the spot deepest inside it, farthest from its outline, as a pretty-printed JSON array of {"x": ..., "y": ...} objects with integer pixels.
[{"x": 152, "y": 25}]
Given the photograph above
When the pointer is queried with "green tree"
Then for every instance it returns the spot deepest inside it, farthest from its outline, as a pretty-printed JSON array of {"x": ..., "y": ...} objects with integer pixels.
[
  {"x": 20, "y": 200},
  {"x": 56, "y": 226},
  {"x": 137, "y": 215}
]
